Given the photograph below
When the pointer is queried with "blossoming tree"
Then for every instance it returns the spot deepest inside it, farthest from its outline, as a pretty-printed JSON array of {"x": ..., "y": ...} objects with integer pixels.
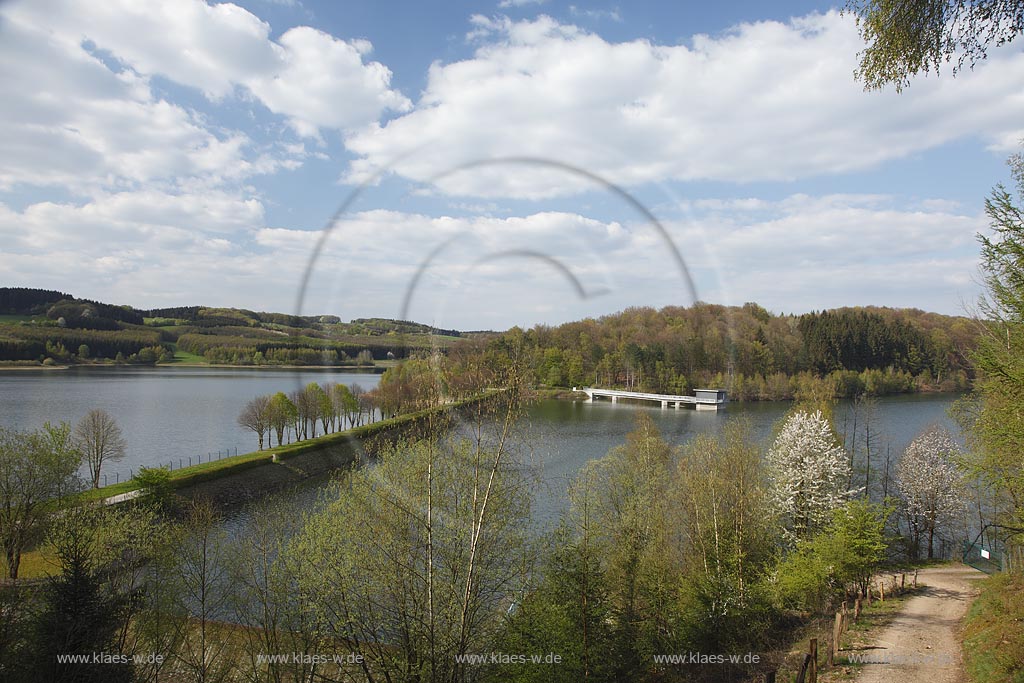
[{"x": 809, "y": 473}]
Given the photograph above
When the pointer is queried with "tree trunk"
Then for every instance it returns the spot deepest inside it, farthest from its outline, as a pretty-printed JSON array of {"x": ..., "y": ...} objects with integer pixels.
[{"x": 13, "y": 561}]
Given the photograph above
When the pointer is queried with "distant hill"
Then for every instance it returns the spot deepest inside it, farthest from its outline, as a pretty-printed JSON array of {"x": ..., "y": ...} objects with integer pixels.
[
  {"x": 46, "y": 325},
  {"x": 745, "y": 349},
  {"x": 753, "y": 353}
]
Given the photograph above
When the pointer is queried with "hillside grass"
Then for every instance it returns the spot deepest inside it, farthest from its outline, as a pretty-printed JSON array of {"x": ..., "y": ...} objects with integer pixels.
[
  {"x": 186, "y": 358},
  {"x": 993, "y": 635}
]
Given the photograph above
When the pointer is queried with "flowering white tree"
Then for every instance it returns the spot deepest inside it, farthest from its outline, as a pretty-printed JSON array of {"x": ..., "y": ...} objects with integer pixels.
[
  {"x": 808, "y": 472},
  {"x": 930, "y": 484}
]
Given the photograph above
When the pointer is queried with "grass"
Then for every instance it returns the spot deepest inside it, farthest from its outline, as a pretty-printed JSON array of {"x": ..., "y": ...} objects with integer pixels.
[
  {"x": 37, "y": 563},
  {"x": 186, "y": 358},
  {"x": 15, "y": 318},
  {"x": 993, "y": 636}
]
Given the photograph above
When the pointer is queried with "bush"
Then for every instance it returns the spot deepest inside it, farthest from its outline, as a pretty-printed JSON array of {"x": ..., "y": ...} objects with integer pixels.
[
  {"x": 155, "y": 484},
  {"x": 840, "y": 558}
]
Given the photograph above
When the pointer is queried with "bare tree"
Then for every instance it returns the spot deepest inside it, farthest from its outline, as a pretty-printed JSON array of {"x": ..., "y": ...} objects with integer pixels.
[
  {"x": 99, "y": 439},
  {"x": 257, "y": 416}
]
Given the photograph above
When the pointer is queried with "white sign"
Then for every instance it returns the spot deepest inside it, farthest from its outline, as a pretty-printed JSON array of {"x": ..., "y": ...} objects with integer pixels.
[{"x": 984, "y": 553}]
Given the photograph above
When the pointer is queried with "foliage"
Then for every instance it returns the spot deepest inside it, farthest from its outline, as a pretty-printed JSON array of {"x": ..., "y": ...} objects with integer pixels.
[
  {"x": 729, "y": 535},
  {"x": 661, "y": 551},
  {"x": 79, "y": 615},
  {"x": 419, "y": 557},
  {"x": 282, "y": 414},
  {"x": 569, "y": 614},
  {"x": 843, "y": 555},
  {"x": 27, "y": 300},
  {"x": 930, "y": 485},
  {"x": 156, "y": 486},
  {"x": 907, "y": 38},
  {"x": 197, "y": 586},
  {"x": 995, "y": 420},
  {"x": 36, "y": 467},
  {"x": 750, "y": 352},
  {"x": 809, "y": 473}
]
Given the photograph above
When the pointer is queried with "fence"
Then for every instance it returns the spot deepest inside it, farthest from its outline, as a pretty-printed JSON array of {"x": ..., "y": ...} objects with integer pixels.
[
  {"x": 182, "y": 462},
  {"x": 883, "y": 585},
  {"x": 984, "y": 557}
]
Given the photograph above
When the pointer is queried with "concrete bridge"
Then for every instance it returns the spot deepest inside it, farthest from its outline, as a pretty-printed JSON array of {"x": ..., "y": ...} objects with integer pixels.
[{"x": 704, "y": 399}]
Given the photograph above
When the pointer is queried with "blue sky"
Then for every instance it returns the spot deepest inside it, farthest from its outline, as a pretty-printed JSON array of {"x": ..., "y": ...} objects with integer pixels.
[{"x": 179, "y": 152}]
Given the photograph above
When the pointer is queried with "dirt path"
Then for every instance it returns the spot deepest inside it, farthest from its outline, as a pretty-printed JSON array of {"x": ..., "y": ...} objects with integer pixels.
[{"x": 921, "y": 644}]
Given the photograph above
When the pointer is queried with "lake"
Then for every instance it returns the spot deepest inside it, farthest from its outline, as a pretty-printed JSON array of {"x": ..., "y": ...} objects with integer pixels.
[
  {"x": 560, "y": 437},
  {"x": 170, "y": 413},
  {"x": 167, "y": 414}
]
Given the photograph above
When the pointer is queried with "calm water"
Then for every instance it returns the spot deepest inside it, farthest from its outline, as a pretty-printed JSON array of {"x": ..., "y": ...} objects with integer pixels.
[
  {"x": 561, "y": 436},
  {"x": 166, "y": 414},
  {"x": 172, "y": 413},
  {"x": 565, "y": 435}
]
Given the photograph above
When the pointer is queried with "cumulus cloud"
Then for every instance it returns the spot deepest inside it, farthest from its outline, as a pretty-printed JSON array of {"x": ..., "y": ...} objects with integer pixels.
[
  {"x": 313, "y": 79},
  {"x": 792, "y": 255},
  {"x": 763, "y": 101},
  {"x": 70, "y": 121},
  {"x": 805, "y": 252}
]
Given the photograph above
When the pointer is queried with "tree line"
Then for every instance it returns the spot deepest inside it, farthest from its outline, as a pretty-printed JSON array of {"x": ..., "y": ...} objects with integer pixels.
[
  {"x": 294, "y": 416},
  {"x": 751, "y": 352},
  {"x": 409, "y": 386}
]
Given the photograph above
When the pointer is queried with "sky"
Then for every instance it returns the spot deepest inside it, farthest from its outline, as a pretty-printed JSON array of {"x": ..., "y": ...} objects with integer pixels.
[{"x": 478, "y": 165}]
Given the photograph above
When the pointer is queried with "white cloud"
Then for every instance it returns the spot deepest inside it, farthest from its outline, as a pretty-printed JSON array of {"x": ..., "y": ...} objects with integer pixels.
[
  {"x": 68, "y": 120},
  {"x": 802, "y": 253},
  {"x": 764, "y": 101},
  {"x": 311, "y": 78},
  {"x": 795, "y": 254}
]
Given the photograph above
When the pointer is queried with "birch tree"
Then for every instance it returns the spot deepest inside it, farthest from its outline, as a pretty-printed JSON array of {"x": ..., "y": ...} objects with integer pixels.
[
  {"x": 420, "y": 557},
  {"x": 808, "y": 473},
  {"x": 930, "y": 485}
]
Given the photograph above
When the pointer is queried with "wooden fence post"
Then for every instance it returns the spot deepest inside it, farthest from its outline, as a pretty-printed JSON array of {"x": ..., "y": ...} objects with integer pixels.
[
  {"x": 881, "y": 590},
  {"x": 903, "y": 581},
  {"x": 814, "y": 660},
  {"x": 837, "y": 632},
  {"x": 802, "y": 676},
  {"x": 856, "y": 610},
  {"x": 915, "y": 578}
]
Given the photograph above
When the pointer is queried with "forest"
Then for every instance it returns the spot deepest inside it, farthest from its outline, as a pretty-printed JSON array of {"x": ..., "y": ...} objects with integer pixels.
[
  {"x": 753, "y": 353},
  {"x": 49, "y": 327}
]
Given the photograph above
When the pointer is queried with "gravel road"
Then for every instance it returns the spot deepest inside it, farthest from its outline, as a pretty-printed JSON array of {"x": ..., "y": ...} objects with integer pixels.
[{"x": 921, "y": 645}]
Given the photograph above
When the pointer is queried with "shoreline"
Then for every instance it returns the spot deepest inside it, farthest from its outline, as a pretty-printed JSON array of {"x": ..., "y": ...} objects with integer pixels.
[{"x": 365, "y": 369}]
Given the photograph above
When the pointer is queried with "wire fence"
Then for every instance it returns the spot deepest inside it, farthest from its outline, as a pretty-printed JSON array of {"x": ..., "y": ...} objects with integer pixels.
[{"x": 178, "y": 463}]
